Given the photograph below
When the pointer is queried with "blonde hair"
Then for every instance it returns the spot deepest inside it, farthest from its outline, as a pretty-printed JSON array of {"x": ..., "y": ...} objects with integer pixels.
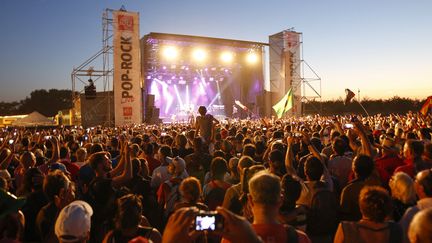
[
  {"x": 402, "y": 188},
  {"x": 81, "y": 154}
]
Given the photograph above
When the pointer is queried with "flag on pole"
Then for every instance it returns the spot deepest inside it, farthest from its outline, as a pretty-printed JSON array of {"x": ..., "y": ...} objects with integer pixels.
[
  {"x": 426, "y": 106},
  {"x": 349, "y": 96},
  {"x": 240, "y": 105},
  {"x": 285, "y": 104}
]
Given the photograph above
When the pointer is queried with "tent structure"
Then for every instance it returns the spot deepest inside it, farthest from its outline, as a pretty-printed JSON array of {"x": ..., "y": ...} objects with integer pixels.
[{"x": 34, "y": 119}]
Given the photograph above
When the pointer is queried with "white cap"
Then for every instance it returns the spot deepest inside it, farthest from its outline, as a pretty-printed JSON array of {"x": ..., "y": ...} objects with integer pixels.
[
  {"x": 73, "y": 222},
  {"x": 179, "y": 164}
]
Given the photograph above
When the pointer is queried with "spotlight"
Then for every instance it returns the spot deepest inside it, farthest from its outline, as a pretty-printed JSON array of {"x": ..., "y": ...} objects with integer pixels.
[
  {"x": 252, "y": 57},
  {"x": 227, "y": 56},
  {"x": 199, "y": 55},
  {"x": 170, "y": 52}
]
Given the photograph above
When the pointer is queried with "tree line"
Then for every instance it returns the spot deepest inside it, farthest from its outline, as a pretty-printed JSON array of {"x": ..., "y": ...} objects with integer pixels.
[
  {"x": 394, "y": 105},
  {"x": 46, "y": 102},
  {"x": 49, "y": 102}
]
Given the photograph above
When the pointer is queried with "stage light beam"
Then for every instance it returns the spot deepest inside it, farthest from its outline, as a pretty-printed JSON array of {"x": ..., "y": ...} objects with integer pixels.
[
  {"x": 170, "y": 52},
  {"x": 179, "y": 100},
  {"x": 199, "y": 55}
]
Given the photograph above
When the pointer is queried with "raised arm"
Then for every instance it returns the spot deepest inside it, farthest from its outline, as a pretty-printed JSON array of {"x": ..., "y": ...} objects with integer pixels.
[
  {"x": 326, "y": 175},
  {"x": 120, "y": 180},
  {"x": 366, "y": 147},
  {"x": 55, "y": 150},
  {"x": 121, "y": 164},
  {"x": 5, "y": 163},
  {"x": 289, "y": 157},
  {"x": 352, "y": 140}
]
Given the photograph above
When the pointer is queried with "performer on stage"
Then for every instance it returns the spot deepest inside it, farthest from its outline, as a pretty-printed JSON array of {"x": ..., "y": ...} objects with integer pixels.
[
  {"x": 235, "y": 111},
  {"x": 191, "y": 116},
  {"x": 204, "y": 124}
]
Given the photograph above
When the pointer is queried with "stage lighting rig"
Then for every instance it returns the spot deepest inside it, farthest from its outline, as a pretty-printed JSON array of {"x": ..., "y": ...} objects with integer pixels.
[
  {"x": 199, "y": 55},
  {"x": 251, "y": 57},
  {"x": 227, "y": 57},
  {"x": 170, "y": 52}
]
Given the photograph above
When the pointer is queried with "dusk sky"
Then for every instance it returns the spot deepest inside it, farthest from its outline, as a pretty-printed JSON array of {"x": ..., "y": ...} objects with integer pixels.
[{"x": 383, "y": 48}]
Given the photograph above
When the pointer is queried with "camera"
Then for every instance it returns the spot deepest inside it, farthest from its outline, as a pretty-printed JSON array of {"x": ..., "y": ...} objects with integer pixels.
[{"x": 208, "y": 221}]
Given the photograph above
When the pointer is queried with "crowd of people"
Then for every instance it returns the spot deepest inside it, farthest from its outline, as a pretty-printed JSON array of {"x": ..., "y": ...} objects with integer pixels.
[{"x": 300, "y": 179}]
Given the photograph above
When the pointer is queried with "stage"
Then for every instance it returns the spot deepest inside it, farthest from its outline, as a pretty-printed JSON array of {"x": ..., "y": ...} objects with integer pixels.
[{"x": 183, "y": 72}]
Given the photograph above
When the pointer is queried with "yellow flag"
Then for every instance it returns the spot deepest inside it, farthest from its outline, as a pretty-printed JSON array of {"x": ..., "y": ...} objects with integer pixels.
[{"x": 285, "y": 104}]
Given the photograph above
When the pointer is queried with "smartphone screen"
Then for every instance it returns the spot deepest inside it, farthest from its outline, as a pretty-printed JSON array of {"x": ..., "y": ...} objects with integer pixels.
[{"x": 349, "y": 126}]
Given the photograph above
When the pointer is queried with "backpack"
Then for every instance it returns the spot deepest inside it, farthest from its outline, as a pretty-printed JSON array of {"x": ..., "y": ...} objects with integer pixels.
[
  {"x": 215, "y": 197},
  {"x": 323, "y": 213},
  {"x": 172, "y": 199}
]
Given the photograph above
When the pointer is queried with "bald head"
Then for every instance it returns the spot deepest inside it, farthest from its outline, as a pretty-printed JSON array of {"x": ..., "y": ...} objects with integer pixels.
[{"x": 420, "y": 229}]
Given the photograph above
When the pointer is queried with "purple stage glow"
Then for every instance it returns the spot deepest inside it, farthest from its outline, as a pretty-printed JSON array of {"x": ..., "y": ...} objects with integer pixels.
[{"x": 188, "y": 84}]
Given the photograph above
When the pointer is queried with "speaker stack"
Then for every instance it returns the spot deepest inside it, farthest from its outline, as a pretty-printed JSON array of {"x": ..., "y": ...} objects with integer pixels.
[{"x": 151, "y": 112}]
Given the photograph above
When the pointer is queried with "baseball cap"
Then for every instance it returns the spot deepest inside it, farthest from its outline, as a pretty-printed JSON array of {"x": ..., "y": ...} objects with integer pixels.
[
  {"x": 74, "y": 221},
  {"x": 179, "y": 163},
  {"x": 58, "y": 166}
]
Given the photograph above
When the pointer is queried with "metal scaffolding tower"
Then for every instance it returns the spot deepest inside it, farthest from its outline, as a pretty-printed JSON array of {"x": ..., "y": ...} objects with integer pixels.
[
  {"x": 288, "y": 70},
  {"x": 100, "y": 67}
]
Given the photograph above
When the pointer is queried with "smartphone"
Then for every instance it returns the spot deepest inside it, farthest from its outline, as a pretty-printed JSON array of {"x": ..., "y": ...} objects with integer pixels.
[
  {"x": 209, "y": 221},
  {"x": 163, "y": 134},
  {"x": 47, "y": 137},
  {"x": 1, "y": 139},
  {"x": 264, "y": 129},
  {"x": 37, "y": 133},
  {"x": 348, "y": 126},
  {"x": 86, "y": 138},
  {"x": 11, "y": 141}
]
